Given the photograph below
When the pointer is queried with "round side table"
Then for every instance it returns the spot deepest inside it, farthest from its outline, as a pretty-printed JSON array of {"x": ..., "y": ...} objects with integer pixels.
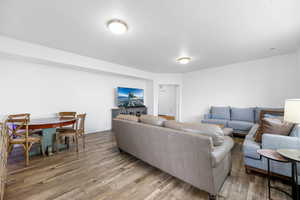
[
  {"x": 270, "y": 154},
  {"x": 292, "y": 155}
]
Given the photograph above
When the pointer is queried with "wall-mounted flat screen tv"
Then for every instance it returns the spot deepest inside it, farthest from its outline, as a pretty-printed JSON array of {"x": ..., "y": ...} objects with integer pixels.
[{"x": 130, "y": 97}]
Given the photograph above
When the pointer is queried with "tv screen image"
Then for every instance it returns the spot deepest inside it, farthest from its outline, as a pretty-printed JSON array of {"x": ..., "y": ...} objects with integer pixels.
[{"x": 130, "y": 97}]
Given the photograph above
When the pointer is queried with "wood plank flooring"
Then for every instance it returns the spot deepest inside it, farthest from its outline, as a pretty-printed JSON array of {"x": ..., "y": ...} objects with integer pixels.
[{"x": 102, "y": 173}]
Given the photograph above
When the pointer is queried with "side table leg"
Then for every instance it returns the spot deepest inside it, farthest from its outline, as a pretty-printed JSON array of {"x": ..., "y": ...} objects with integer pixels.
[
  {"x": 269, "y": 181},
  {"x": 296, "y": 180}
]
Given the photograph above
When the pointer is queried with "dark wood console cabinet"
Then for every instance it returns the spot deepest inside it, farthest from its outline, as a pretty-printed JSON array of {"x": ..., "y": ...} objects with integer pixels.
[{"x": 128, "y": 111}]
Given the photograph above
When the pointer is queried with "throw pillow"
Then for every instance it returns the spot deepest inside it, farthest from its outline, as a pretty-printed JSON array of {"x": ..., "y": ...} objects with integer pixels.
[
  {"x": 276, "y": 126},
  {"x": 152, "y": 120},
  {"x": 128, "y": 117}
]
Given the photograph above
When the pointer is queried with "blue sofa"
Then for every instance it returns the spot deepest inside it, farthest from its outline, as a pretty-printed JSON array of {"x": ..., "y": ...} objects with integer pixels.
[{"x": 241, "y": 120}]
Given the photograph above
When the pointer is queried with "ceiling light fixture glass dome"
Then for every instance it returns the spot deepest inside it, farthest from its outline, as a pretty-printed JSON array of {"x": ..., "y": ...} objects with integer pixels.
[
  {"x": 117, "y": 26},
  {"x": 184, "y": 60}
]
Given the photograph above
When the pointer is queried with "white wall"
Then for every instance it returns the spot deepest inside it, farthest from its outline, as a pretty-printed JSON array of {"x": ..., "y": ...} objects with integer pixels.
[
  {"x": 167, "y": 100},
  {"x": 44, "y": 90},
  {"x": 265, "y": 82},
  {"x": 89, "y": 75}
]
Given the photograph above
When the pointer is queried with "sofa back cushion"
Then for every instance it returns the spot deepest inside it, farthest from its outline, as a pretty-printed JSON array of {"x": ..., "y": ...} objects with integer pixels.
[
  {"x": 259, "y": 109},
  {"x": 242, "y": 114},
  {"x": 211, "y": 130},
  {"x": 152, "y": 120},
  {"x": 128, "y": 117},
  {"x": 218, "y": 112},
  {"x": 174, "y": 125}
]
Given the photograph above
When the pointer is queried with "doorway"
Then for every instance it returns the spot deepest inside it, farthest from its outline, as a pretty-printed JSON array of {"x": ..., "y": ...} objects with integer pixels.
[{"x": 167, "y": 101}]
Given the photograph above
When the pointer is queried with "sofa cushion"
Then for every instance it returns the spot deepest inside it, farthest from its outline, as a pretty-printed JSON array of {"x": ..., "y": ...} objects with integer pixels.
[
  {"x": 152, "y": 120},
  {"x": 275, "y": 126},
  {"x": 220, "y": 112},
  {"x": 215, "y": 121},
  {"x": 240, "y": 125},
  {"x": 128, "y": 117},
  {"x": 213, "y": 131},
  {"x": 242, "y": 114},
  {"x": 220, "y": 152},
  {"x": 258, "y": 109},
  {"x": 173, "y": 125}
]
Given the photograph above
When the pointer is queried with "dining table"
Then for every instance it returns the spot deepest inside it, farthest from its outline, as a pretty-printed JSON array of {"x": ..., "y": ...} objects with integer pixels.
[{"x": 48, "y": 128}]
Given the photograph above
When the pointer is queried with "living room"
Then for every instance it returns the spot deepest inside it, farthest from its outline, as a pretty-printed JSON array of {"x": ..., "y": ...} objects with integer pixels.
[{"x": 196, "y": 66}]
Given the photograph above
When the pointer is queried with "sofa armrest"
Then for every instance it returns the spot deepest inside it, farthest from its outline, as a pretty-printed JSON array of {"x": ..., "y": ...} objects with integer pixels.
[
  {"x": 207, "y": 116},
  {"x": 220, "y": 152},
  {"x": 252, "y": 131},
  {"x": 271, "y": 141}
]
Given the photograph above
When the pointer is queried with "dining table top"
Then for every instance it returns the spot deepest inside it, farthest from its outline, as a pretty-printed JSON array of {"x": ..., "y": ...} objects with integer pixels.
[{"x": 50, "y": 122}]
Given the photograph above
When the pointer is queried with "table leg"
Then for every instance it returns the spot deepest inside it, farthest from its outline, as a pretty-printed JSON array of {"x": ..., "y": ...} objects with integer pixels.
[
  {"x": 269, "y": 181},
  {"x": 296, "y": 180}
]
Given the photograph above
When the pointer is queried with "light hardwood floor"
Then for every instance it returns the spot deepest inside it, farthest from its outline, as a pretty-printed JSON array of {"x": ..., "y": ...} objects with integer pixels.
[{"x": 101, "y": 172}]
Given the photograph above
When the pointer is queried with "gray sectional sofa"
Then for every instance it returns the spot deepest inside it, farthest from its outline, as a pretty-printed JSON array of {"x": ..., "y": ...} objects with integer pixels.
[
  {"x": 192, "y": 157},
  {"x": 240, "y": 119}
]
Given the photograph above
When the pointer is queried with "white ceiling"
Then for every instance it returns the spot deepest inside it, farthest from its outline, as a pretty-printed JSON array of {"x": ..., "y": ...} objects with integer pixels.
[{"x": 212, "y": 32}]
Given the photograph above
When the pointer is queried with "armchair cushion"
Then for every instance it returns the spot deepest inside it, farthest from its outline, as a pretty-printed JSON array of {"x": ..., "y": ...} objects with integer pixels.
[
  {"x": 242, "y": 114},
  {"x": 270, "y": 141},
  {"x": 220, "y": 112}
]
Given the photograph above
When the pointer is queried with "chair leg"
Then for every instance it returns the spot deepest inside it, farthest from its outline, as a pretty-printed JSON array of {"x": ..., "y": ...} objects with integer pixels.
[
  {"x": 76, "y": 140},
  {"x": 10, "y": 148},
  {"x": 83, "y": 141},
  {"x": 27, "y": 156},
  {"x": 68, "y": 142}
]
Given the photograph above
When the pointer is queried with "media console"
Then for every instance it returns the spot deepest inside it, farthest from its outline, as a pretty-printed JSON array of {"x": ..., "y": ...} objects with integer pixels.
[{"x": 128, "y": 111}]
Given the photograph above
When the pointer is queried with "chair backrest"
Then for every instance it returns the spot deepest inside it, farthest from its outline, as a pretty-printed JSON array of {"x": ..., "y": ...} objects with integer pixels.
[
  {"x": 67, "y": 115},
  {"x": 17, "y": 122},
  {"x": 80, "y": 123}
]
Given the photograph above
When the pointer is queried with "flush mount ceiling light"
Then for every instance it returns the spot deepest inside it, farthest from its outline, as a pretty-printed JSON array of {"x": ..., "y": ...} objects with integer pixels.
[
  {"x": 184, "y": 60},
  {"x": 117, "y": 26}
]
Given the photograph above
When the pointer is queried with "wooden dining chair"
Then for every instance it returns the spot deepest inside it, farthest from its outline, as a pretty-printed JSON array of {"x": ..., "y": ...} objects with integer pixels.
[
  {"x": 19, "y": 133},
  {"x": 76, "y": 133},
  {"x": 66, "y": 116}
]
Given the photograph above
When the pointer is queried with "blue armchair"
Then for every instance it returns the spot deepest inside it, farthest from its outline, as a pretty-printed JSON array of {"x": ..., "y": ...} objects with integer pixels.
[{"x": 254, "y": 162}]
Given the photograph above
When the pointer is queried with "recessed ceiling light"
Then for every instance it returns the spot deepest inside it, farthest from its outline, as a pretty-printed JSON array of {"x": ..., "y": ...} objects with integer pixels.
[
  {"x": 117, "y": 26},
  {"x": 184, "y": 60}
]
